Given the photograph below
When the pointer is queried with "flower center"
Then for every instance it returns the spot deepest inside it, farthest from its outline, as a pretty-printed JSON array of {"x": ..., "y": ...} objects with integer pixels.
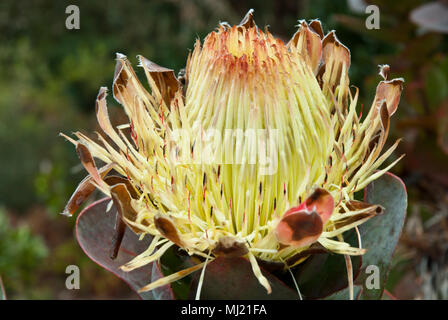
[{"x": 261, "y": 109}]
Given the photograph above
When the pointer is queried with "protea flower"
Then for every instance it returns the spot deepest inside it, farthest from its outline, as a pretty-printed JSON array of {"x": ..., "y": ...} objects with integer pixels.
[{"x": 257, "y": 150}]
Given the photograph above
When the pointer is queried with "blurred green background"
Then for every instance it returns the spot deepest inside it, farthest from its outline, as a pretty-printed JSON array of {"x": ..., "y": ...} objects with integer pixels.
[{"x": 49, "y": 78}]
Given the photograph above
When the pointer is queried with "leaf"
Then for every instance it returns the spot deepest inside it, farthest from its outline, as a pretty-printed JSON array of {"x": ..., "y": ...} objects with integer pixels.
[
  {"x": 233, "y": 278},
  {"x": 324, "y": 274},
  {"x": 172, "y": 261},
  {"x": 380, "y": 234},
  {"x": 344, "y": 294},
  {"x": 161, "y": 293},
  {"x": 94, "y": 232}
]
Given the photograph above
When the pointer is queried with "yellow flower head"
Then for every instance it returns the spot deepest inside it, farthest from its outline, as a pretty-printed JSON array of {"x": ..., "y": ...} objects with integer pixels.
[{"x": 257, "y": 150}]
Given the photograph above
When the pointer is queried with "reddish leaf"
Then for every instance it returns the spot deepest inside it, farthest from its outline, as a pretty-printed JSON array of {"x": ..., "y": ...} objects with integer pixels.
[
  {"x": 94, "y": 232},
  {"x": 233, "y": 278}
]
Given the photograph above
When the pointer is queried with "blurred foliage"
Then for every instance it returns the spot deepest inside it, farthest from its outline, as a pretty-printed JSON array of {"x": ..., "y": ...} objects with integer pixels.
[
  {"x": 50, "y": 77},
  {"x": 20, "y": 255}
]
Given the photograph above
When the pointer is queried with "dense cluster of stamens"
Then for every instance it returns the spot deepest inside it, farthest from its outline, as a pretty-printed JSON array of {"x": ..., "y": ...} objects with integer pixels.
[{"x": 257, "y": 152}]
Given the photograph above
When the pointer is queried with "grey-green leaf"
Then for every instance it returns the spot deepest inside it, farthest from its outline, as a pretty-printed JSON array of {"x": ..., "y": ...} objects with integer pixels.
[{"x": 380, "y": 234}]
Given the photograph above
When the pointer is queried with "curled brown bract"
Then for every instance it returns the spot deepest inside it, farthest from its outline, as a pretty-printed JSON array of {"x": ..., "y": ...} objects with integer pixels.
[
  {"x": 389, "y": 91},
  {"x": 309, "y": 44},
  {"x": 122, "y": 201},
  {"x": 367, "y": 211},
  {"x": 167, "y": 228},
  {"x": 248, "y": 20},
  {"x": 164, "y": 79},
  {"x": 83, "y": 191}
]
